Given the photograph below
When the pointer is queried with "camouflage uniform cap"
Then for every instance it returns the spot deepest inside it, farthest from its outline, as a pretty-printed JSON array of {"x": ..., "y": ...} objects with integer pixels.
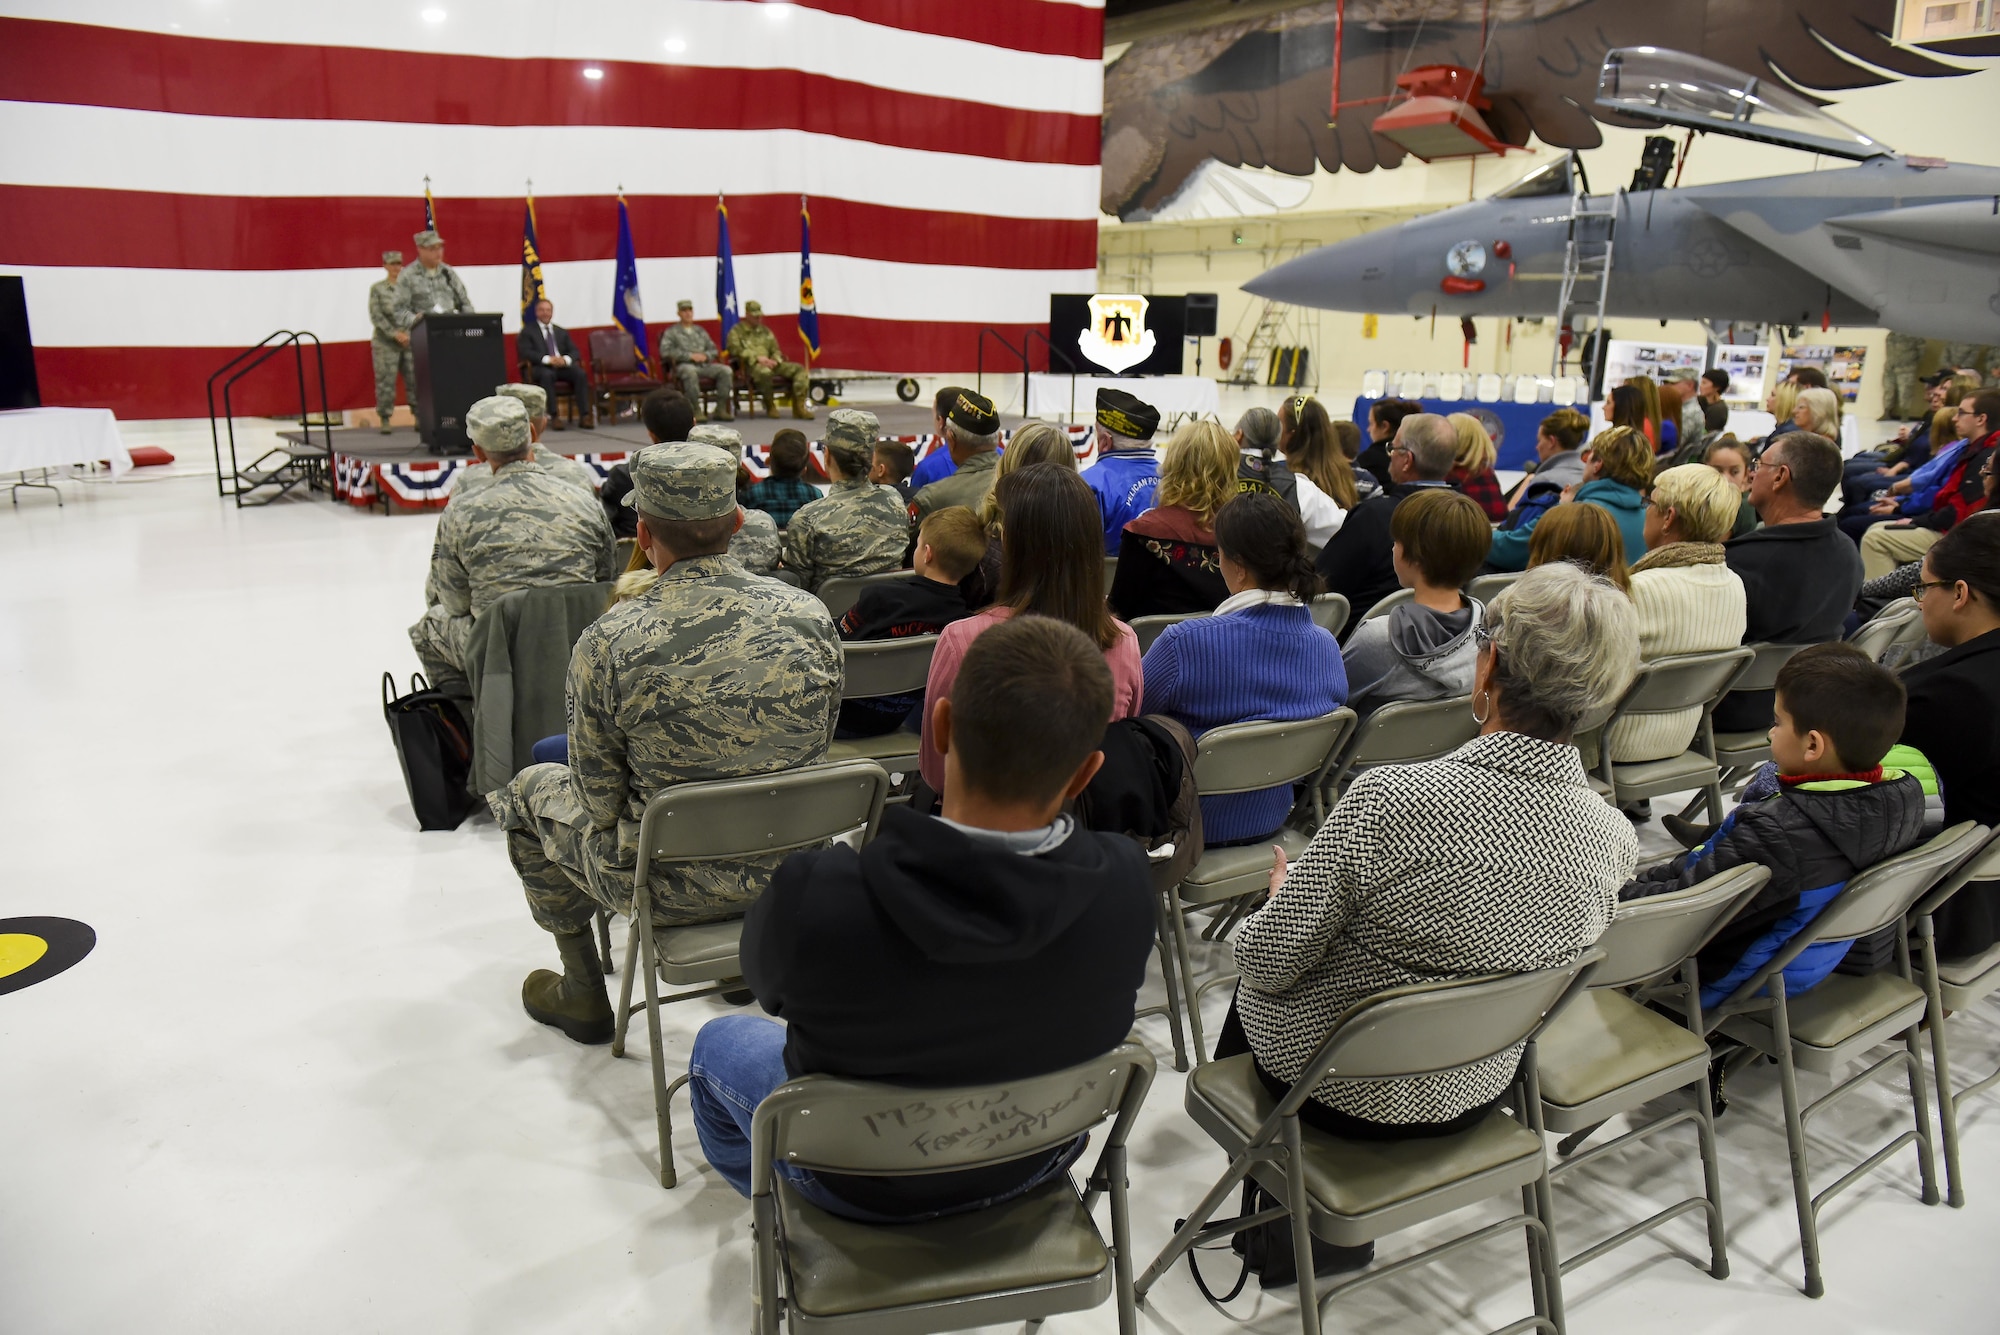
[
  {"x": 722, "y": 437},
  {"x": 753, "y": 308},
  {"x": 498, "y": 424},
  {"x": 683, "y": 480},
  {"x": 392, "y": 257},
  {"x": 533, "y": 397},
  {"x": 427, "y": 237},
  {"x": 684, "y": 304},
  {"x": 850, "y": 436}
]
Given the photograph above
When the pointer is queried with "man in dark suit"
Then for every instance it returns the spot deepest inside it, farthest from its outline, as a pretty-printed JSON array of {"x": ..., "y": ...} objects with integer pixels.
[{"x": 551, "y": 356}]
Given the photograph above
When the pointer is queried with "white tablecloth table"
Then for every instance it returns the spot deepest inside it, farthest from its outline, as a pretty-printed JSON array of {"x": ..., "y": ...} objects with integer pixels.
[
  {"x": 36, "y": 438},
  {"x": 1049, "y": 394}
]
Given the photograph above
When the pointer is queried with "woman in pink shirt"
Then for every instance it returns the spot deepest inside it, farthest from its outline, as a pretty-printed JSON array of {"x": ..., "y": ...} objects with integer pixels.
[{"x": 1051, "y": 564}]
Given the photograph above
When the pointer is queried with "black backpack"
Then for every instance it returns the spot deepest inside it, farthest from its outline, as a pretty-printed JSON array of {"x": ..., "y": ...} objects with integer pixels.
[{"x": 435, "y": 749}]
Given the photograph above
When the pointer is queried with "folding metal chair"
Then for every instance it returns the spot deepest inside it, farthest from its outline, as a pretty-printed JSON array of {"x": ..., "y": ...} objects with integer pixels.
[
  {"x": 1897, "y": 626},
  {"x": 872, "y": 668},
  {"x": 1330, "y": 612},
  {"x": 1353, "y": 1192},
  {"x": 1738, "y": 753},
  {"x": 1666, "y": 686},
  {"x": 1488, "y": 587},
  {"x": 1609, "y": 1053},
  {"x": 840, "y": 592},
  {"x": 710, "y": 821},
  {"x": 1389, "y": 604},
  {"x": 1243, "y": 758},
  {"x": 1955, "y": 986},
  {"x": 1403, "y": 732},
  {"x": 1022, "y": 1260},
  {"x": 1150, "y": 628},
  {"x": 1844, "y": 1017}
]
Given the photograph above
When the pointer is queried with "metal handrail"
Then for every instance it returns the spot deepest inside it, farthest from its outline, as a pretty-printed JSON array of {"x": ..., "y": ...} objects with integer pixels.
[
  {"x": 257, "y": 354},
  {"x": 979, "y": 381},
  {"x": 1055, "y": 354}
]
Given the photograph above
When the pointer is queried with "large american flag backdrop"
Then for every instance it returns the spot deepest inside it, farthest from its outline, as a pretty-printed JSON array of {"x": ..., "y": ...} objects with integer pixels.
[{"x": 182, "y": 177}]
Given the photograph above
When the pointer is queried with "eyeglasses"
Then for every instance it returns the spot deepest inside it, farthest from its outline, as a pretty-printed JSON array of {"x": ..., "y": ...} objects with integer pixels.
[
  {"x": 1399, "y": 449},
  {"x": 1926, "y": 585}
]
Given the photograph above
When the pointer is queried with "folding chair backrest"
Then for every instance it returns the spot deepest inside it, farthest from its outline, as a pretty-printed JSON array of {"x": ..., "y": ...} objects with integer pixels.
[
  {"x": 1886, "y": 891},
  {"x": 1901, "y": 622},
  {"x": 854, "y": 1126},
  {"x": 1762, "y": 673},
  {"x": 885, "y": 667},
  {"x": 843, "y": 591},
  {"x": 1330, "y": 612},
  {"x": 784, "y": 576},
  {"x": 762, "y": 813},
  {"x": 1148, "y": 629},
  {"x": 1682, "y": 681},
  {"x": 1404, "y": 732},
  {"x": 1435, "y": 1027},
  {"x": 1650, "y": 936},
  {"x": 1983, "y": 865},
  {"x": 1487, "y": 587},
  {"x": 1244, "y": 757},
  {"x": 1389, "y": 604},
  {"x": 1110, "y": 572}
]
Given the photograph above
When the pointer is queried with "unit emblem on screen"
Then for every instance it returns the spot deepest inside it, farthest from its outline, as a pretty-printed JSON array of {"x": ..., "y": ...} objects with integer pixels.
[{"x": 1117, "y": 338}]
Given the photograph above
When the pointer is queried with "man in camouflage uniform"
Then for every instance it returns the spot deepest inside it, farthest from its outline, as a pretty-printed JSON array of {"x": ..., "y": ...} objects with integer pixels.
[
  {"x": 712, "y": 673},
  {"x": 972, "y": 433},
  {"x": 525, "y": 529},
  {"x": 754, "y": 347},
  {"x": 389, "y": 341},
  {"x": 1902, "y": 396},
  {"x": 1969, "y": 356},
  {"x": 857, "y": 528},
  {"x": 688, "y": 351},
  {"x": 471, "y": 477},
  {"x": 755, "y": 545},
  {"x": 430, "y": 284}
]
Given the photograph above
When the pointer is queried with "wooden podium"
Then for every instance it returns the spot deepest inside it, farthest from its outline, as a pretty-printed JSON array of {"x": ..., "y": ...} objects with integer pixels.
[{"x": 460, "y": 359}]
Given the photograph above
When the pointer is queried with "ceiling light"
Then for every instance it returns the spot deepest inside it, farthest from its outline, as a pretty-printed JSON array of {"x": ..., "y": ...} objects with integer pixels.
[
  {"x": 433, "y": 16},
  {"x": 777, "y": 12},
  {"x": 592, "y": 72},
  {"x": 675, "y": 46}
]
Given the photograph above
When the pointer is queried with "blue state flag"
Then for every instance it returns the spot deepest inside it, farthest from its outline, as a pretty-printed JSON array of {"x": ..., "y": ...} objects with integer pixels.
[
  {"x": 725, "y": 272},
  {"x": 532, "y": 290},
  {"x": 626, "y": 307},
  {"x": 808, "y": 311}
]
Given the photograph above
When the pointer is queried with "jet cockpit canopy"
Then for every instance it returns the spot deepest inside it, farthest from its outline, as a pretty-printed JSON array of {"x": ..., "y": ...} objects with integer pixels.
[{"x": 1675, "y": 88}]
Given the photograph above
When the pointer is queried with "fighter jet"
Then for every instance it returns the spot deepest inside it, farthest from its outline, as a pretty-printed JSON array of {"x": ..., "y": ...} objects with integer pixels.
[{"x": 1900, "y": 242}]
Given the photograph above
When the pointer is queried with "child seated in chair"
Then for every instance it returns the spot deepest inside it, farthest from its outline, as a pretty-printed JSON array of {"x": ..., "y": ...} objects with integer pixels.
[
  {"x": 997, "y": 942},
  {"x": 785, "y": 491},
  {"x": 1835, "y": 812},
  {"x": 949, "y": 544}
]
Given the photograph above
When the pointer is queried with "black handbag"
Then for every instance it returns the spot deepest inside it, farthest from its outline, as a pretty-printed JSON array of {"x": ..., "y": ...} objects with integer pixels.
[
  {"x": 435, "y": 749},
  {"x": 1266, "y": 1250}
]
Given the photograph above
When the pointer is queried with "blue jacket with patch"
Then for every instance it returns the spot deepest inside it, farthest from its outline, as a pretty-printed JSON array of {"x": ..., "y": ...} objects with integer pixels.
[{"x": 1124, "y": 483}]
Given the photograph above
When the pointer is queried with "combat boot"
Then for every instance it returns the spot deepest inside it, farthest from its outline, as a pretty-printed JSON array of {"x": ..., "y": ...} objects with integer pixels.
[
  {"x": 770, "y": 406},
  {"x": 574, "y": 1000},
  {"x": 802, "y": 408}
]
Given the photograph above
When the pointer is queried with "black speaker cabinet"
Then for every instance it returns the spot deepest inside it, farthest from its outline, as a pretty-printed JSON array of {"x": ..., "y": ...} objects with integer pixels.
[
  {"x": 1201, "y": 315},
  {"x": 18, "y": 385},
  {"x": 460, "y": 358}
]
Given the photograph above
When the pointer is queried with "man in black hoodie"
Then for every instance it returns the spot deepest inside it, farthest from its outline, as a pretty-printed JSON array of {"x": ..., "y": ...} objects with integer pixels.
[{"x": 995, "y": 943}]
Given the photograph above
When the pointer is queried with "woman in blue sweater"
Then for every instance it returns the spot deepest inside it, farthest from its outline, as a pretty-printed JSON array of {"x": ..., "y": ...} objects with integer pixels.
[{"x": 1259, "y": 657}]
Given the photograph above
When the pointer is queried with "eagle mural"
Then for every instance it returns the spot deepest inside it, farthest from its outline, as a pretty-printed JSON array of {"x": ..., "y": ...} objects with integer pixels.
[{"x": 1256, "y": 93}]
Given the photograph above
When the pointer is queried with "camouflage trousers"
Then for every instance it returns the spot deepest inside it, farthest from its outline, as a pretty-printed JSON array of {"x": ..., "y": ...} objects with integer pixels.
[
  {"x": 693, "y": 375},
  {"x": 1902, "y": 396},
  {"x": 391, "y": 360},
  {"x": 440, "y": 640},
  {"x": 762, "y": 379},
  {"x": 569, "y": 868},
  {"x": 1956, "y": 355}
]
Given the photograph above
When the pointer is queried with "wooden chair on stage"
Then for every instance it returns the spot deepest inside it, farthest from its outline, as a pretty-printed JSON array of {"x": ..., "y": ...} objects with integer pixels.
[
  {"x": 524, "y": 372},
  {"x": 615, "y": 371}
]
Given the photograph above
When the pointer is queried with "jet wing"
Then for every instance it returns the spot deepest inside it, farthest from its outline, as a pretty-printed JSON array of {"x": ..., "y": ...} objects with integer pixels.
[{"x": 1956, "y": 224}]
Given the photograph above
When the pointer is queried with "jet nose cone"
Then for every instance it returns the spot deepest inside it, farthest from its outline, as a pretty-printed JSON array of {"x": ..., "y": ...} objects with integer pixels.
[{"x": 1352, "y": 275}]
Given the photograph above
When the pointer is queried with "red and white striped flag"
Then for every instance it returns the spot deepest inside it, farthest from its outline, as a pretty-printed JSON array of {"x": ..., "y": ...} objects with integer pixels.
[{"x": 179, "y": 181}]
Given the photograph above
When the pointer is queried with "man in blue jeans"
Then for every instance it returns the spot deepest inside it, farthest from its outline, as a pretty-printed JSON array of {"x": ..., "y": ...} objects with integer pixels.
[{"x": 996, "y": 942}]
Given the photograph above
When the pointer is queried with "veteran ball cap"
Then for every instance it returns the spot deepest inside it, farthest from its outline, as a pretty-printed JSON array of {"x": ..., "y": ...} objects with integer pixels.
[
  {"x": 1126, "y": 415},
  {"x": 498, "y": 424},
  {"x": 427, "y": 237},
  {"x": 533, "y": 397},
  {"x": 973, "y": 412},
  {"x": 683, "y": 480},
  {"x": 1937, "y": 378},
  {"x": 392, "y": 257},
  {"x": 853, "y": 429}
]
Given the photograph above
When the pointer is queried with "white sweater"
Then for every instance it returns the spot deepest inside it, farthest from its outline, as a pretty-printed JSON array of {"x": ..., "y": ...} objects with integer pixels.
[{"x": 1682, "y": 610}]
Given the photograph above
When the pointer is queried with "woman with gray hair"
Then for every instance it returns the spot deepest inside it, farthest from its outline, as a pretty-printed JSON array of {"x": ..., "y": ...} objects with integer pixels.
[{"x": 1498, "y": 858}]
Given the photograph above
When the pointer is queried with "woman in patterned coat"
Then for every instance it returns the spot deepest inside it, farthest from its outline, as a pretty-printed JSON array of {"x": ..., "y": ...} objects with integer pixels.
[{"x": 1498, "y": 858}]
